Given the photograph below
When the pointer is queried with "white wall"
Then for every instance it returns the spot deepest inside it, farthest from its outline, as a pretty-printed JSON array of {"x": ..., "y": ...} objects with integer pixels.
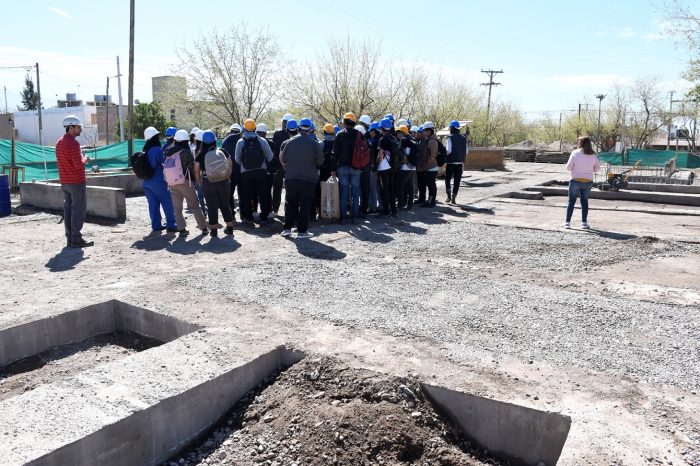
[{"x": 27, "y": 124}]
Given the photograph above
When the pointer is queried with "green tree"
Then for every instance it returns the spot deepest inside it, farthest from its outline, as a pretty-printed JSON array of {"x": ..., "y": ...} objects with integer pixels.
[
  {"x": 145, "y": 115},
  {"x": 30, "y": 99}
]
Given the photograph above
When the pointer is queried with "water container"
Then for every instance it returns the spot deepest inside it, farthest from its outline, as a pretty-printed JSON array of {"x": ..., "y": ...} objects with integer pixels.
[{"x": 5, "y": 208}]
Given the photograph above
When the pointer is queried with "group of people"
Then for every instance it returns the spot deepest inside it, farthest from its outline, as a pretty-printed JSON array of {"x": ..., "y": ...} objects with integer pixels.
[{"x": 380, "y": 167}]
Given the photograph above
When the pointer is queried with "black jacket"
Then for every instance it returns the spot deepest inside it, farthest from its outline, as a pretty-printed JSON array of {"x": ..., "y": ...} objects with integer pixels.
[
  {"x": 342, "y": 147},
  {"x": 229, "y": 146}
]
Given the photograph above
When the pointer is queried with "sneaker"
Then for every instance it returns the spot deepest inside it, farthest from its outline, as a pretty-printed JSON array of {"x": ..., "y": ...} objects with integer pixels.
[
  {"x": 184, "y": 232},
  {"x": 306, "y": 234},
  {"x": 81, "y": 243},
  {"x": 214, "y": 233},
  {"x": 205, "y": 231},
  {"x": 160, "y": 228},
  {"x": 585, "y": 225},
  {"x": 228, "y": 230},
  {"x": 286, "y": 233},
  {"x": 172, "y": 230},
  {"x": 247, "y": 220},
  {"x": 448, "y": 200},
  {"x": 567, "y": 225}
]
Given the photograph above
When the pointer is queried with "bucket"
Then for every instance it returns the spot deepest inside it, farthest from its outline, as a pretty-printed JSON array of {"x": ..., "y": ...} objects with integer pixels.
[{"x": 5, "y": 207}]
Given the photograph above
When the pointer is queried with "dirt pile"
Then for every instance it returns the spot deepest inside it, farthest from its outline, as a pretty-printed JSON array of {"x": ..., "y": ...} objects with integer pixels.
[{"x": 321, "y": 412}]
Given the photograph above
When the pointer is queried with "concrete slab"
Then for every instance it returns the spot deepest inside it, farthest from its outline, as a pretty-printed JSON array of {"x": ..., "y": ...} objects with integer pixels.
[
  {"x": 639, "y": 196},
  {"x": 523, "y": 436},
  {"x": 102, "y": 202},
  {"x": 122, "y": 179}
]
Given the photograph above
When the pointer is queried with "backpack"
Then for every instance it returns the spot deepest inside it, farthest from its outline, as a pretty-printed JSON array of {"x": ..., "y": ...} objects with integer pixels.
[
  {"x": 442, "y": 154},
  {"x": 216, "y": 165},
  {"x": 172, "y": 170},
  {"x": 360, "y": 158},
  {"x": 140, "y": 166},
  {"x": 397, "y": 155},
  {"x": 252, "y": 155}
]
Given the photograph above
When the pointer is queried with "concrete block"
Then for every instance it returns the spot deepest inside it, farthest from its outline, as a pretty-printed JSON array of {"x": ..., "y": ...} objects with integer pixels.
[
  {"x": 521, "y": 435},
  {"x": 102, "y": 202},
  {"x": 626, "y": 195},
  {"x": 480, "y": 159},
  {"x": 122, "y": 179}
]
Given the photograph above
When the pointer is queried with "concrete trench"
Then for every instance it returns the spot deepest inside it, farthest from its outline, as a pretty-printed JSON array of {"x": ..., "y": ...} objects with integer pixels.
[{"x": 147, "y": 407}]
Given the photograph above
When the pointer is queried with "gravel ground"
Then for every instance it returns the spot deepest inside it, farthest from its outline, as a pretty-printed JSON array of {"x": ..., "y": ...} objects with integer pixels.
[{"x": 454, "y": 302}]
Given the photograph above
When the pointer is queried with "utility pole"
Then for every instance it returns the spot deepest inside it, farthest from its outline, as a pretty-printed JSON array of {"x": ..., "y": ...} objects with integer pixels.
[
  {"x": 130, "y": 112},
  {"x": 5, "y": 89},
  {"x": 490, "y": 84},
  {"x": 600, "y": 98},
  {"x": 41, "y": 138},
  {"x": 670, "y": 121},
  {"x": 119, "y": 109},
  {"x": 106, "y": 115}
]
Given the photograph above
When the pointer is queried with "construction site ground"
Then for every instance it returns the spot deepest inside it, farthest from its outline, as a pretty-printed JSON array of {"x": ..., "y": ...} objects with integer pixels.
[{"x": 600, "y": 325}]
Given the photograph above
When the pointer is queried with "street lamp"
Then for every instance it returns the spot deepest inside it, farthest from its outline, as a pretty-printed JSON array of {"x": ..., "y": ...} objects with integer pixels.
[{"x": 600, "y": 98}]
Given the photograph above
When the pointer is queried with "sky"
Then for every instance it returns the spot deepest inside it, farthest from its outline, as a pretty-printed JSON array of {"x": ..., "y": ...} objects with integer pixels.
[{"x": 554, "y": 54}]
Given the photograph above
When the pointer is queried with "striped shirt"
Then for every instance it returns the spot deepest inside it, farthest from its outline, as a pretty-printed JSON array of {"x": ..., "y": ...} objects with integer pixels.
[{"x": 70, "y": 161}]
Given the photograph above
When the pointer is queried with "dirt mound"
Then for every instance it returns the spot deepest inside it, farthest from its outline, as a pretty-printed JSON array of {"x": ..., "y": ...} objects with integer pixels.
[
  {"x": 321, "y": 412},
  {"x": 522, "y": 145}
]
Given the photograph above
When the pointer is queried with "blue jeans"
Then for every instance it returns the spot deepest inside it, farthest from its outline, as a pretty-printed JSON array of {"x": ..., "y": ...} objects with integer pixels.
[
  {"x": 349, "y": 184},
  {"x": 158, "y": 197},
  {"x": 200, "y": 198},
  {"x": 576, "y": 189}
]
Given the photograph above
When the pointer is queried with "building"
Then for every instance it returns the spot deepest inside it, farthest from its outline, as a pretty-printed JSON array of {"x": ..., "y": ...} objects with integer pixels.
[
  {"x": 170, "y": 92},
  {"x": 27, "y": 124}
]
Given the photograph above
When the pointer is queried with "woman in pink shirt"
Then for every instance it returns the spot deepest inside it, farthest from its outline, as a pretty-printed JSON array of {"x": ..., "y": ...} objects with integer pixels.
[{"x": 583, "y": 164}]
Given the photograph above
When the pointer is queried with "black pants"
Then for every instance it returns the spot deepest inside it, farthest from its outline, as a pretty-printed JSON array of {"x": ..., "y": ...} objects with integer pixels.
[
  {"x": 386, "y": 178},
  {"x": 364, "y": 191},
  {"x": 254, "y": 185},
  {"x": 453, "y": 171},
  {"x": 403, "y": 187},
  {"x": 422, "y": 185},
  {"x": 297, "y": 204},
  {"x": 235, "y": 183},
  {"x": 277, "y": 184},
  {"x": 218, "y": 196},
  {"x": 426, "y": 180}
]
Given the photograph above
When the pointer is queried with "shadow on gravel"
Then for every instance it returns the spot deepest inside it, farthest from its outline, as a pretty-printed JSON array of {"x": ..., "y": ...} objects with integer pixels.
[
  {"x": 218, "y": 245},
  {"x": 610, "y": 234},
  {"x": 153, "y": 242},
  {"x": 316, "y": 250},
  {"x": 67, "y": 259}
]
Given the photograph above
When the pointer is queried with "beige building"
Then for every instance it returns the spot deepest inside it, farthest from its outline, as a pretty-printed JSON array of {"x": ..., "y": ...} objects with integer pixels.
[{"x": 170, "y": 92}]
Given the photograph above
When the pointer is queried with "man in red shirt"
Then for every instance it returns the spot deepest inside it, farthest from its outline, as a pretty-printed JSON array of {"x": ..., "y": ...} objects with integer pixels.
[{"x": 71, "y": 172}]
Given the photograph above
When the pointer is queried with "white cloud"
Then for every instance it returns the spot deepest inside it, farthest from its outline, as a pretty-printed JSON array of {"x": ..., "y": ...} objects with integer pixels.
[
  {"x": 60, "y": 12},
  {"x": 659, "y": 31}
]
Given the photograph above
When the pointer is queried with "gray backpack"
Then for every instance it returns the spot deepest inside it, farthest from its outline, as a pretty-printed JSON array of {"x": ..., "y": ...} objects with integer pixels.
[{"x": 217, "y": 166}]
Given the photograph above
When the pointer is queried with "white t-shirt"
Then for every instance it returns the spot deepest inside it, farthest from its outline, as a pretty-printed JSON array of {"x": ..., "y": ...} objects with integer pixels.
[{"x": 384, "y": 164}]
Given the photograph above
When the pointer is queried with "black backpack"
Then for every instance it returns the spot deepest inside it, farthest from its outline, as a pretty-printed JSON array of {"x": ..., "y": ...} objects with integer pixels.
[
  {"x": 442, "y": 154},
  {"x": 252, "y": 155},
  {"x": 139, "y": 164}
]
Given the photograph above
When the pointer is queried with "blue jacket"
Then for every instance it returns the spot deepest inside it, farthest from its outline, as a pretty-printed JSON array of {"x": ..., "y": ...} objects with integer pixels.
[{"x": 155, "y": 159}]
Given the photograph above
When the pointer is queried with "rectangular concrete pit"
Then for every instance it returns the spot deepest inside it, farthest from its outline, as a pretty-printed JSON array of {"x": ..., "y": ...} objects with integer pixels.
[
  {"x": 102, "y": 202},
  {"x": 521, "y": 435},
  {"x": 38, "y": 336}
]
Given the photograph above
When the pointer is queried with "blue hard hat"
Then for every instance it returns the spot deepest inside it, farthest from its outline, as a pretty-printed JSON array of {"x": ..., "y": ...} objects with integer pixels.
[
  {"x": 374, "y": 126},
  {"x": 454, "y": 124},
  {"x": 390, "y": 116},
  {"x": 208, "y": 137},
  {"x": 305, "y": 124},
  {"x": 336, "y": 129},
  {"x": 420, "y": 129},
  {"x": 385, "y": 123},
  {"x": 292, "y": 125},
  {"x": 408, "y": 121},
  {"x": 170, "y": 132}
]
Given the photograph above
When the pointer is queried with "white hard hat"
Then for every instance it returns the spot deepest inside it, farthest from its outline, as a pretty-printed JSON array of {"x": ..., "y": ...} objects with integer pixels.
[
  {"x": 366, "y": 120},
  {"x": 361, "y": 129},
  {"x": 194, "y": 130},
  {"x": 401, "y": 121},
  {"x": 71, "y": 120},
  {"x": 414, "y": 129},
  {"x": 149, "y": 132},
  {"x": 429, "y": 125},
  {"x": 262, "y": 128},
  {"x": 235, "y": 128},
  {"x": 181, "y": 135},
  {"x": 287, "y": 117},
  {"x": 198, "y": 135}
]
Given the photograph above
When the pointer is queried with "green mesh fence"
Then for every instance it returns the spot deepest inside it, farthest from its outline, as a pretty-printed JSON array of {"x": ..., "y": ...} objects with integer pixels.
[{"x": 651, "y": 158}]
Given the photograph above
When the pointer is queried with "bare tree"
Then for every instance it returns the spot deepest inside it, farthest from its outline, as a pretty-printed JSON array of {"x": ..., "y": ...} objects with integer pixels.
[
  {"x": 684, "y": 26},
  {"x": 232, "y": 75}
]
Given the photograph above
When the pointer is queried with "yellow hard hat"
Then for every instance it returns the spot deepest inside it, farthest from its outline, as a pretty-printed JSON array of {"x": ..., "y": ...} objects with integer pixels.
[
  {"x": 328, "y": 128},
  {"x": 249, "y": 124},
  {"x": 403, "y": 129},
  {"x": 349, "y": 116}
]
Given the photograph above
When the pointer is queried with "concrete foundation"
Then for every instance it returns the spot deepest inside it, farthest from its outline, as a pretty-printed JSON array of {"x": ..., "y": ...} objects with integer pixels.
[
  {"x": 626, "y": 195},
  {"x": 521, "y": 435},
  {"x": 102, "y": 202},
  {"x": 122, "y": 179}
]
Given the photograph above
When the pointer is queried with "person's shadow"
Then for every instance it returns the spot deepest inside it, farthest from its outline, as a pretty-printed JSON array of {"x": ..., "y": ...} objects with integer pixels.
[
  {"x": 67, "y": 259},
  {"x": 316, "y": 250}
]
